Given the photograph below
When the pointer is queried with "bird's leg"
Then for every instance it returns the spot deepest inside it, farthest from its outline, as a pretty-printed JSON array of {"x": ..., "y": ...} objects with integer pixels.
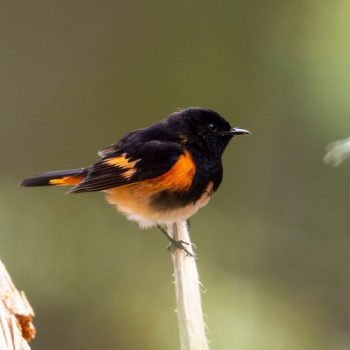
[{"x": 173, "y": 242}]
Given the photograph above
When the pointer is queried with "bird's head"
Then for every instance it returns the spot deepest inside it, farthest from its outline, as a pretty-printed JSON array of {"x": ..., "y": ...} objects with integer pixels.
[{"x": 203, "y": 128}]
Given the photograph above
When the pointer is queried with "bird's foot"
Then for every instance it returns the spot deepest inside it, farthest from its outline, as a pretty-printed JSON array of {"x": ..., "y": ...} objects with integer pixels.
[{"x": 174, "y": 244}]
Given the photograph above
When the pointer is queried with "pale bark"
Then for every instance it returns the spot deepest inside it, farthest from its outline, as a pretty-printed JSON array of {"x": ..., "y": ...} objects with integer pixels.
[
  {"x": 188, "y": 298},
  {"x": 16, "y": 315}
]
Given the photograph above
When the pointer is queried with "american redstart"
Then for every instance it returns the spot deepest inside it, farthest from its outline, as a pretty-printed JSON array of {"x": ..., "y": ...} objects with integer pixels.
[{"x": 157, "y": 175}]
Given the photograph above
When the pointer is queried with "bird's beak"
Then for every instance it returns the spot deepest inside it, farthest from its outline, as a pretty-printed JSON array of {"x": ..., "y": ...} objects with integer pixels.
[{"x": 238, "y": 131}]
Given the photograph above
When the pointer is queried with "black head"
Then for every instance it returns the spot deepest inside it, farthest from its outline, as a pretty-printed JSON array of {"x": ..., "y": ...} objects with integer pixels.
[{"x": 204, "y": 128}]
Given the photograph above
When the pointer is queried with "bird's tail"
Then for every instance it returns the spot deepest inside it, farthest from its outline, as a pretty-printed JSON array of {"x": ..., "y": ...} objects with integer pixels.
[{"x": 56, "y": 178}]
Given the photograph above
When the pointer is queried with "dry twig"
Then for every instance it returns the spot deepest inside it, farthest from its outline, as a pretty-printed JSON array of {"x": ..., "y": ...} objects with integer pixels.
[
  {"x": 188, "y": 298},
  {"x": 16, "y": 315}
]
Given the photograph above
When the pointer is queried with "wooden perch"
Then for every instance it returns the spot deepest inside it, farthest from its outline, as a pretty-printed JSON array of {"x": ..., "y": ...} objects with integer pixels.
[
  {"x": 188, "y": 298},
  {"x": 16, "y": 315}
]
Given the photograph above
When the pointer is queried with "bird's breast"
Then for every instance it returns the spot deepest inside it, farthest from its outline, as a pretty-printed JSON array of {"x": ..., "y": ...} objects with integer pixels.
[{"x": 139, "y": 203}]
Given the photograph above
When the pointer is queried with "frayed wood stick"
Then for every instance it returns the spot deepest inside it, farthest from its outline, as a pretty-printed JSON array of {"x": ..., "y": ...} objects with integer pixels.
[
  {"x": 188, "y": 299},
  {"x": 16, "y": 315}
]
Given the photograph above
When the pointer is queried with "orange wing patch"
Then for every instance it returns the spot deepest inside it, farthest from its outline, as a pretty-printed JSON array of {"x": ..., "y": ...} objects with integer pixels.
[
  {"x": 124, "y": 163},
  {"x": 66, "y": 180}
]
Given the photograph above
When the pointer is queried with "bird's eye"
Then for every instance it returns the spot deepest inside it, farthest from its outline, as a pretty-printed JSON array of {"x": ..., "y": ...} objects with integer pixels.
[{"x": 212, "y": 127}]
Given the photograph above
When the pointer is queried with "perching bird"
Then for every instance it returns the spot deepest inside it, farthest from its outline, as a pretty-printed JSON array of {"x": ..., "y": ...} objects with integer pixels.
[{"x": 157, "y": 175}]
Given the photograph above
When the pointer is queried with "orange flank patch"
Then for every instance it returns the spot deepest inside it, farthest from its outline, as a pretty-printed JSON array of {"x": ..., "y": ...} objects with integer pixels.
[
  {"x": 124, "y": 163},
  {"x": 134, "y": 199},
  {"x": 66, "y": 180},
  {"x": 178, "y": 178}
]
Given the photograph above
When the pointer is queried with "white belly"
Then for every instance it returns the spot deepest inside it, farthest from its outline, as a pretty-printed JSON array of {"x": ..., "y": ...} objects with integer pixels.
[{"x": 131, "y": 201}]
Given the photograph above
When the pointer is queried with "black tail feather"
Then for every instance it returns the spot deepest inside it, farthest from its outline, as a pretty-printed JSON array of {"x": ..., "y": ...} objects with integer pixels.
[{"x": 54, "y": 177}]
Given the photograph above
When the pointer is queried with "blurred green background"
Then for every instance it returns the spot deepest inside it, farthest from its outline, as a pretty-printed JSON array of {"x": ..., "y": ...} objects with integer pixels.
[{"x": 273, "y": 243}]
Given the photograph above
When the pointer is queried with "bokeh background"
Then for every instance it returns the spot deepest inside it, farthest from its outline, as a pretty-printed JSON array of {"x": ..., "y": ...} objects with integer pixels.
[{"x": 273, "y": 243}]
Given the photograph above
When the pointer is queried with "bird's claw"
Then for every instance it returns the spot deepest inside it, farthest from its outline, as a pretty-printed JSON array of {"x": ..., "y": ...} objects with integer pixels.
[{"x": 174, "y": 244}]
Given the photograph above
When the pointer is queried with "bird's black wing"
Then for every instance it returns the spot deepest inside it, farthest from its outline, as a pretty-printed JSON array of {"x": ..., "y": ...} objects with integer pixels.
[{"x": 131, "y": 160}]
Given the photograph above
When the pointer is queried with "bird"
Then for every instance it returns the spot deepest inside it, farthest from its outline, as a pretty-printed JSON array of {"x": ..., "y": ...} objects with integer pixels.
[{"x": 158, "y": 175}]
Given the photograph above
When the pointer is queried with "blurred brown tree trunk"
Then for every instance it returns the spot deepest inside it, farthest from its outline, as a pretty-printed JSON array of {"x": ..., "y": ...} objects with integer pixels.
[{"x": 16, "y": 315}]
